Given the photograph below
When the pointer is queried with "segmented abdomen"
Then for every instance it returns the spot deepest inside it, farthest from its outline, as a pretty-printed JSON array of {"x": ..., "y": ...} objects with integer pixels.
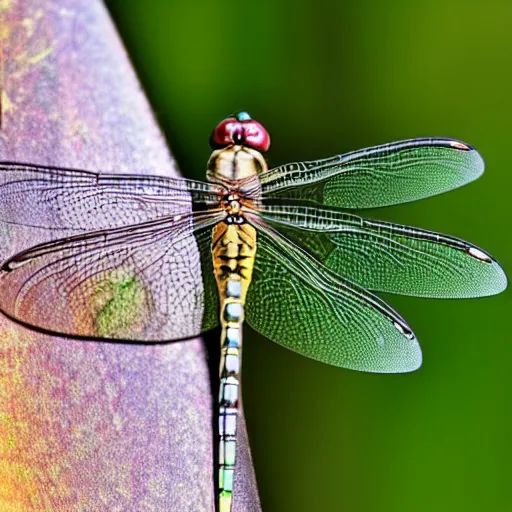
[{"x": 234, "y": 249}]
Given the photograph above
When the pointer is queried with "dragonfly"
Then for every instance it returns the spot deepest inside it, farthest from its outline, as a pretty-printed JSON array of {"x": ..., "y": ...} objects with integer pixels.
[{"x": 155, "y": 259}]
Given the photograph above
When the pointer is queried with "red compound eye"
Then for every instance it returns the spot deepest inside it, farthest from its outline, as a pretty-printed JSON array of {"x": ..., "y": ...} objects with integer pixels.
[{"x": 240, "y": 130}]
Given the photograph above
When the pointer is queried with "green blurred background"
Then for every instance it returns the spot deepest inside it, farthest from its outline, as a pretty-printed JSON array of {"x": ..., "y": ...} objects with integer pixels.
[{"x": 327, "y": 77}]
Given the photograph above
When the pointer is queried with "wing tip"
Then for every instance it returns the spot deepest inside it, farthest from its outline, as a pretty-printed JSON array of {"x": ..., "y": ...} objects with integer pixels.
[
  {"x": 497, "y": 282},
  {"x": 413, "y": 359},
  {"x": 405, "y": 357},
  {"x": 404, "y": 363},
  {"x": 479, "y": 164},
  {"x": 475, "y": 160},
  {"x": 493, "y": 279}
]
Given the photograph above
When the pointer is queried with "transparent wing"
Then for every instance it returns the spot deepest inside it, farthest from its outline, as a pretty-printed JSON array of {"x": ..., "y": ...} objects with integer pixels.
[
  {"x": 302, "y": 305},
  {"x": 141, "y": 283},
  {"x": 388, "y": 257},
  {"x": 55, "y": 198},
  {"x": 379, "y": 176}
]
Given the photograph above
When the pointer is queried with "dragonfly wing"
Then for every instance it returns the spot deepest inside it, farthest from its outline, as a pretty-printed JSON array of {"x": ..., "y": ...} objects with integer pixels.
[
  {"x": 302, "y": 305},
  {"x": 141, "y": 283},
  {"x": 389, "y": 257},
  {"x": 379, "y": 176},
  {"x": 70, "y": 199}
]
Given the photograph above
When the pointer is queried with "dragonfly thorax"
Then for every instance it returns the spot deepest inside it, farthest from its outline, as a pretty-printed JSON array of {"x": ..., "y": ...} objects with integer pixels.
[
  {"x": 233, "y": 163},
  {"x": 234, "y": 219},
  {"x": 232, "y": 204}
]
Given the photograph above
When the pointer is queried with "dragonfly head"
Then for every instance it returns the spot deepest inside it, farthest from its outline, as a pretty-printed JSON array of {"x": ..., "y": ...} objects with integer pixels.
[{"x": 240, "y": 130}]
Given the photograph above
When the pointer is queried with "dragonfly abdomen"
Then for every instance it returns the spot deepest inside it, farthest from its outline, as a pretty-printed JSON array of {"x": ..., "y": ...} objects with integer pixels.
[
  {"x": 233, "y": 249},
  {"x": 229, "y": 395}
]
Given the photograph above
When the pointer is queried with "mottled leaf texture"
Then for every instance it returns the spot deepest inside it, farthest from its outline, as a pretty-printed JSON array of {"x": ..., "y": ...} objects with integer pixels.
[
  {"x": 379, "y": 176},
  {"x": 92, "y": 425}
]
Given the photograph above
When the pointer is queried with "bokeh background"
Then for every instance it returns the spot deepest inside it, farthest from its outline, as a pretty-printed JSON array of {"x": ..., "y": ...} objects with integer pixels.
[{"x": 327, "y": 77}]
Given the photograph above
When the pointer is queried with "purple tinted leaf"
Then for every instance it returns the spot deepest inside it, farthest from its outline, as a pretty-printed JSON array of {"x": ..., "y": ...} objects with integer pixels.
[{"x": 106, "y": 426}]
